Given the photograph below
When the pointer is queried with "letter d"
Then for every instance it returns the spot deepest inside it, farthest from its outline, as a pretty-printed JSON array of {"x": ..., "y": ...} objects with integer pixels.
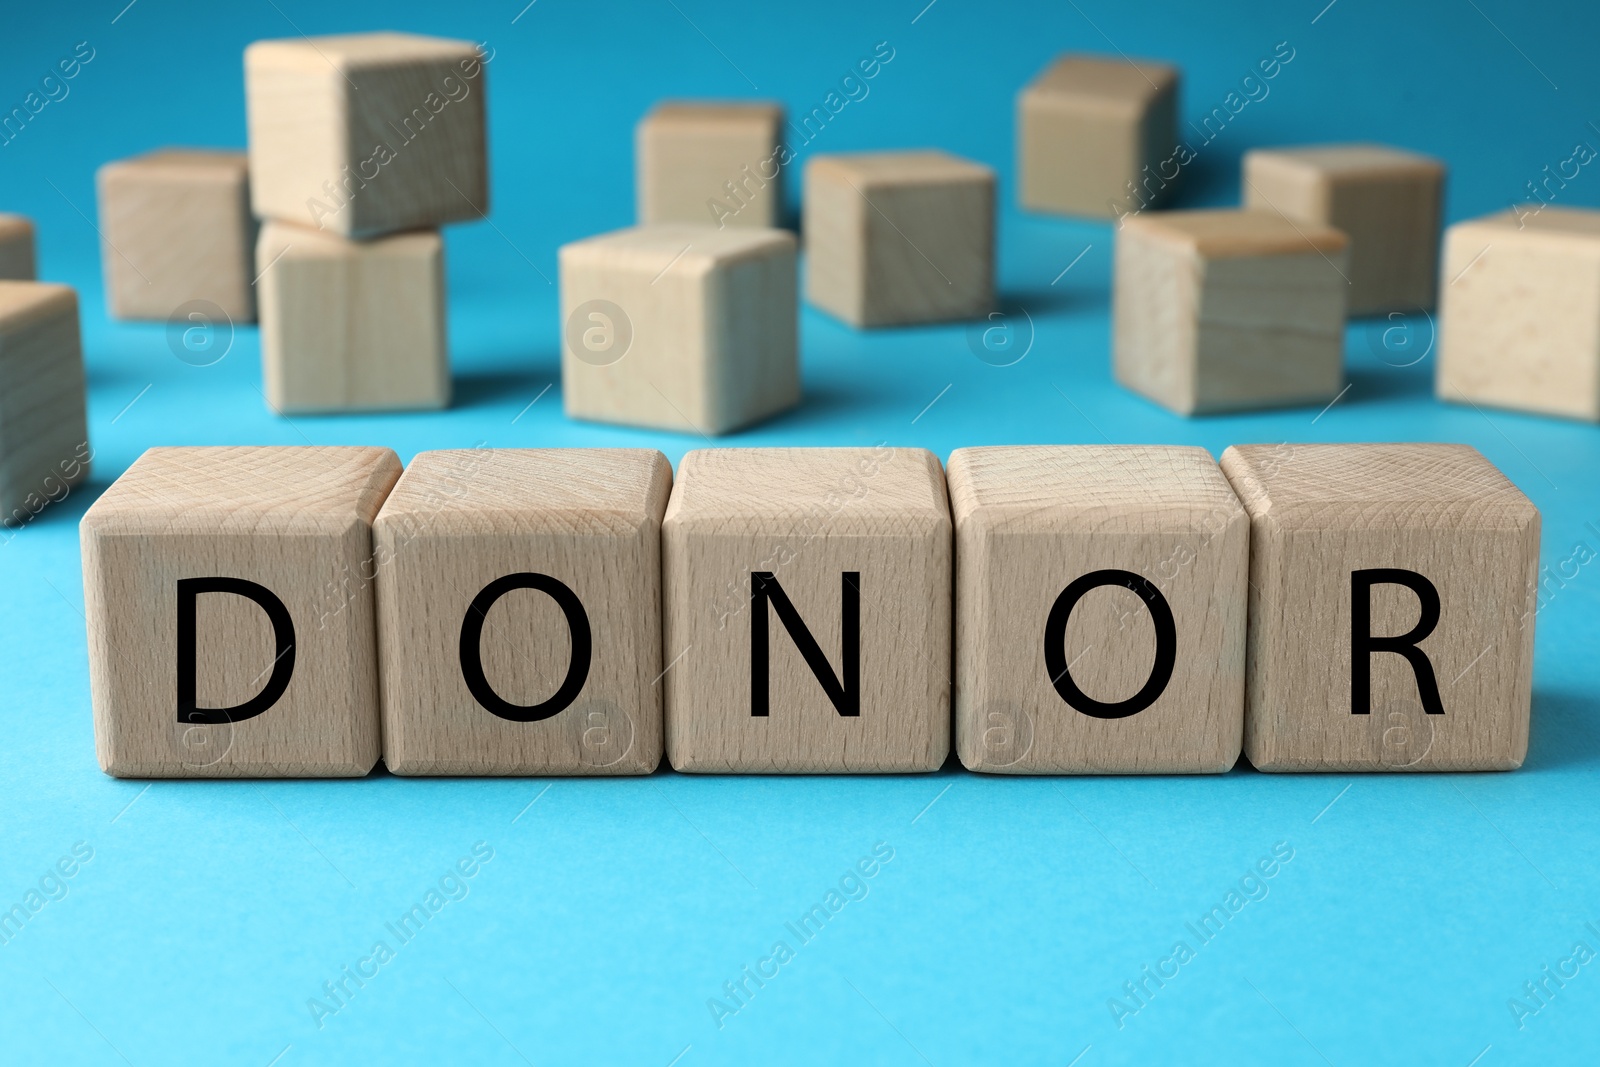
[{"x": 189, "y": 590}]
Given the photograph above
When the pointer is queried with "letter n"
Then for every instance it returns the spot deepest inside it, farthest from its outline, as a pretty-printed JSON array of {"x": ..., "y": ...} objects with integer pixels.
[
  {"x": 1363, "y": 644},
  {"x": 189, "y": 590},
  {"x": 843, "y": 689}
]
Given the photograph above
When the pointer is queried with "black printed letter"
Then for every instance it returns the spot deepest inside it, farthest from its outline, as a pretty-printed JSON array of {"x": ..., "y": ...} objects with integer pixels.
[
  {"x": 1363, "y": 644},
  {"x": 844, "y": 691},
  {"x": 472, "y": 647},
  {"x": 189, "y": 590},
  {"x": 1055, "y": 639}
]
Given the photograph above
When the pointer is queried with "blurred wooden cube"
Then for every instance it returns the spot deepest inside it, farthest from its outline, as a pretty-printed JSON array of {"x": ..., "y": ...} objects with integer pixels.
[
  {"x": 1386, "y": 200},
  {"x": 44, "y": 439},
  {"x": 17, "y": 260},
  {"x": 367, "y": 133},
  {"x": 1100, "y": 610},
  {"x": 177, "y": 231},
  {"x": 230, "y": 612},
  {"x": 713, "y": 163},
  {"x": 807, "y": 604},
  {"x": 1392, "y": 597},
  {"x": 894, "y": 238},
  {"x": 1092, "y": 133},
  {"x": 1519, "y": 313},
  {"x": 680, "y": 327},
  {"x": 352, "y": 325},
  {"x": 1229, "y": 310},
  {"x": 519, "y": 612}
]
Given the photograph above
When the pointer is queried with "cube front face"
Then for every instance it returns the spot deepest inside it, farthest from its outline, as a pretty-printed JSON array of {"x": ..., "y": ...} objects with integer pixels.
[
  {"x": 710, "y": 164},
  {"x": 44, "y": 437},
  {"x": 349, "y": 326},
  {"x": 899, "y": 238},
  {"x": 519, "y": 612},
  {"x": 1398, "y": 579},
  {"x": 178, "y": 231},
  {"x": 1387, "y": 201},
  {"x": 368, "y": 133},
  {"x": 808, "y": 598},
  {"x": 1087, "y": 129},
  {"x": 1519, "y": 323},
  {"x": 230, "y": 613},
  {"x": 1100, "y": 610},
  {"x": 16, "y": 249},
  {"x": 1225, "y": 311},
  {"x": 680, "y": 328}
]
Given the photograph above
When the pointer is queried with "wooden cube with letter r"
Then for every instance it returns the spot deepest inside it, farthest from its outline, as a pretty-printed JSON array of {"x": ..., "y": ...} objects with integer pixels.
[
  {"x": 1392, "y": 596},
  {"x": 230, "y": 612},
  {"x": 519, "y": 611},
  {"x": 807, "y": 598}
]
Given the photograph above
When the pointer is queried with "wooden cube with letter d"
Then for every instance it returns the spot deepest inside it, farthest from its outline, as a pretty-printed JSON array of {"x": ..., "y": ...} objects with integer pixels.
[{"x": 807, "y": 597}]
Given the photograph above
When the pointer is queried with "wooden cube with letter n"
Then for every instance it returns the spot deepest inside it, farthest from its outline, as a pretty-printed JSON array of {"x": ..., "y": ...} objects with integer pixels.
[
  {"x": 1392, "y": 595},
  {"x": 230, "y": 612},
  {"x": 808, "y": 598},
  {"x": 1100, "y": 610},
  {"x": 519, "y": 612}
]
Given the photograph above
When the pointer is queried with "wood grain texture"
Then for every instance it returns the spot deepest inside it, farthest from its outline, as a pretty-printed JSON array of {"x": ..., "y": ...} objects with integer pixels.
[
  {"x": 808, "y": 516},
  {"x": 680, "y": 327},
  {"x": 1386, "y": 200},
  {"x": 1228, "y": 310},
  {"x": 177, "y": 228},
  {"x": 295, "y": 520},
  {"x": 1030, "y": 521},
  {"x": 1087, "y": 129},
  {"x": 352, "y": 325},
  {"x": 365, "y": 134},
  {"x": 1319, "y": 512},
  {"x": 460, "y": 520},
  {"x": 899, "y": 237},
  {"x": 44, "y": 439},
  {"x": 16, "y": 249},
  {"x": 710, "y": 163},
  {"x": 1519, "y": 313}
]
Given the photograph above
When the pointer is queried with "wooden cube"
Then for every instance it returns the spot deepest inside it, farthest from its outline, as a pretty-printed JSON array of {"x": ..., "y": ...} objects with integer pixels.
[
  {"x": 1519, "y": 314},
  {"x": 519, "y": 612},
  {"x": 367, "y": 133},
  {"x": 16, "y": 249},
  {"x": 1092, "y": 133},
  {"x": 1386, "y": 200},
  {"x": 1392, "y": 596},
  {"x": 1100, "y": 610},
  {"x": 1229, "y": 310},
  {"x": 229, "y": 601},
  {"x": 680, "y": 327},
  {"x": 710, "y": 163},
  {"x": 807, "y": 595},
  {"x": 44, "y": 439},
  {"x": 177, "y": 230},
  {"x": 352, "y": 325},
  {"x": 899, "y": 237}
]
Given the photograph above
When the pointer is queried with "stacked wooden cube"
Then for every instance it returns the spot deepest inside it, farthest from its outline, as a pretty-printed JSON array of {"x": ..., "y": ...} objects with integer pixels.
[{"x": 361, "y": 147}]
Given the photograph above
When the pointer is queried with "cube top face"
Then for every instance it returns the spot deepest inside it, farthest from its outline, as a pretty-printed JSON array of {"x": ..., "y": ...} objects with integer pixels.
[
  {"x": 300, "y": 243},
  {"x": 519, "y": 612},
  {"x": 228, "y": 593},
  {"x": 452, "y": 488},
  {"x": 23, "y": 303},
  {"x": 183, "y": 164},
  {"x": 1392, "y": 599},
  {"x": 366, "y": 133},
  {"x": 767, "y": 488},
  {"x": 684, "y": 328},
  {"x": 1229, "y": 234},
  {"x": 1576, "y": 228},
  {"x": 1349, "y": 161},
  {"x": 1094, "y": 82},
  {"x": 246, "y": 490},
  {"x": 870, "y": 170},
  {"x": 1100, "y": 610},
  {"x": 1376, "y": 486},
  {"x": 746, "y": 118},
  {"x": 807, "y": 603}
]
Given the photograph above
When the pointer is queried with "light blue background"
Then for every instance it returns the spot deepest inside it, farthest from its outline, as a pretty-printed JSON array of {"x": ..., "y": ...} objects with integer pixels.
[{"x": 1413, "y": 909}]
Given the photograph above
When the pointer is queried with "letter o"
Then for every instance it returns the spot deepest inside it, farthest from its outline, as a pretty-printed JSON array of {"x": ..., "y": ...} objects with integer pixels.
[
  {"x": 471, "y": 647},
  {"x": 1055, "y": 639}
]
